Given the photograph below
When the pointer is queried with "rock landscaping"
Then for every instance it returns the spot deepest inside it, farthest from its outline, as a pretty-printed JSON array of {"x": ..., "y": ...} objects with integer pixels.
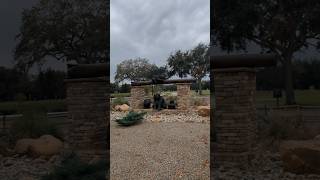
[
  {"x": 26, "y": 168},
  {"x": 30, "y": 158},
  {"x": 165, "y": 145},
  {"x": 46, "y": 145},
  {"x": 266, "y": 165}
]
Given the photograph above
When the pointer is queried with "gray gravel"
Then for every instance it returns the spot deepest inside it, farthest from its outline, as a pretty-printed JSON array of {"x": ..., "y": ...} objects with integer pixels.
[
  {"x": 160, "y": 150},
  {"x": 265, "y": 166},
  {"x": 25, "y": 168}
]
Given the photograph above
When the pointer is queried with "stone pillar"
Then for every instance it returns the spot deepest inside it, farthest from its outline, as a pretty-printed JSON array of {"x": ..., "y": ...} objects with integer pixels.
[
  {"x": 137, "y": 97},
  {"x": 183, "y": 96},
  {"x": 235, "y": 123},
  {"x": 88, "y": 107}
]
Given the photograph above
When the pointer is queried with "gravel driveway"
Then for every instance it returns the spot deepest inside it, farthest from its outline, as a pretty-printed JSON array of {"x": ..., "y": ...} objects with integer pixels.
[{"x": 160, "y": 150}]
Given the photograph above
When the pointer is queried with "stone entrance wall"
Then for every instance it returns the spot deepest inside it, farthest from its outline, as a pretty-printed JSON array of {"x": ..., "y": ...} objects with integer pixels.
[
  {"x": 235, "y": 116},
  {"x": 137, "y": 97},
  {"x": 88, "y": 104},
  {"x": 183, "y": 96}
]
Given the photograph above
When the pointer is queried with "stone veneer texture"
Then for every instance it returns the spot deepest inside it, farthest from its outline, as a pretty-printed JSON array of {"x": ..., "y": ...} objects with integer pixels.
[
  {"x": 88, "y": 105},
  {"x": 137, "y": 97},
  {"x": 235, "y": 123},
  {"x": 183, "y": 96}
]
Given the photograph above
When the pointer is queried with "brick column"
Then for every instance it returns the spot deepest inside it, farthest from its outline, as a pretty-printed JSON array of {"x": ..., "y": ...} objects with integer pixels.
[
  {"x": 88, "y": 104},
  {"x": 137, "y": 97},
  {"x": 183, "y": 96},
  {"x": 235, "y": 123}
]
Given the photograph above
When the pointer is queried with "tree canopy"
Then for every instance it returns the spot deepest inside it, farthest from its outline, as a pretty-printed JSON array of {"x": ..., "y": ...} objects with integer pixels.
[
  {"x": 194, "y": 62},
  {"x": 74, "y": 30},
  {"x": 177, "y": 64},
  {"x": 282, "y": 27},
  {"x": 139, "y": 69}
]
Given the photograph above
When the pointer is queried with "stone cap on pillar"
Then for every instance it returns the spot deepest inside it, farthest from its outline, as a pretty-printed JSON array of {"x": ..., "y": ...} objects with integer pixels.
[
  {"x": 88, "y": 72},
  {"x": 243, "y": 61},
  {"x": 76, "y": 71}
]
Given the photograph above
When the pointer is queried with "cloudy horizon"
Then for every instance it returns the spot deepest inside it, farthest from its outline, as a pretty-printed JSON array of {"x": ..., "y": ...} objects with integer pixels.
[{"x": 154, "y": 29}]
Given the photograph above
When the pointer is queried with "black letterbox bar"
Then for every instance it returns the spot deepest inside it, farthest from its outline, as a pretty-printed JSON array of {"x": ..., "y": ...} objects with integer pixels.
[{"x": 243, "y": 60}]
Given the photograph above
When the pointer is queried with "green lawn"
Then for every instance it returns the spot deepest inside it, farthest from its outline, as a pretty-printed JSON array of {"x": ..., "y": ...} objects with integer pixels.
[
  {"x": 303, "y": 97},
  {"x": 204, "y": 92},
  {"x": 115, "y": 95},
  {"x": 48, "y": 105}
]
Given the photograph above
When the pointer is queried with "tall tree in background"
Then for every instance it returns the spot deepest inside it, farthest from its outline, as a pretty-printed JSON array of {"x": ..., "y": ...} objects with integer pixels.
[
  {"x": 194, "y": 62},
  {"x": 49, "y": 84},
  {"x": 199, "y": 63},
  {"x": 279, "y": 26},
  {"x": 139, "y": 69},
  {"x": 177, "y": 64},
  {"x": 73, "y": 30}
]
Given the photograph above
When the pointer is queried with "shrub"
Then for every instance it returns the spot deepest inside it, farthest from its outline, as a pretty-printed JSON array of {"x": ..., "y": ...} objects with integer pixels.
[
  {"x": 20, "y": 97},
  {"x": 277, "y": 127},
  {"x": 119, "y": 101},
  {"x": 33, "y": 123},
  {"x": 72, "y": 168},
  {"x": 131, "y": 118},
  {"x": 198, "y": 101},
  {"x": 148, "y": 90},
  {"x": 171, "y": 98}
]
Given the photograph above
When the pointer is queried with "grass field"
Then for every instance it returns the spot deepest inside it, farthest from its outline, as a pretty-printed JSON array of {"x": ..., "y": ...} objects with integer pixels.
[
  {"x": 303, "y": 97},
  {"x": 45, "y": 105}
]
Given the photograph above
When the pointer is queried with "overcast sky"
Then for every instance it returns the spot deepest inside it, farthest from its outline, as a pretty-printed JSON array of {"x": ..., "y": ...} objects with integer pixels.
[
  {"x": 153, "y": 29},
  {"x": 10, "y": 22},
  {"x": 10, "y": 19},
  {"x": 141, "y": 28}
]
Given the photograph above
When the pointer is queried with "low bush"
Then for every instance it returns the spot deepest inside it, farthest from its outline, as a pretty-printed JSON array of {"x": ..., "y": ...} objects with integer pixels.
[
  {"x": 276, "y": 128},
  {"x": 196, "y": 101},
  {"x": 131, "y": 118},
  {"x": 72, "y": 168},
  {"x": 33, "y": 123},
  {"x": 171, "y": 98}
]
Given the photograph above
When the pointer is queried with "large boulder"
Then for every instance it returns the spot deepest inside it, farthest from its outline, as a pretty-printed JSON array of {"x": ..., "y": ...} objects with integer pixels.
[
  {"x": 23, "y": 145},
  {"x": 203, "y": 111},
  {"x": 46, "y": 145},
  {"x": 123, "y": 108},
  {"x": 301, "y": 157}
]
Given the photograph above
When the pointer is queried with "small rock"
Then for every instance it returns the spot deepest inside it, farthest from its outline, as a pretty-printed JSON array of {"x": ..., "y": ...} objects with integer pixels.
[
  {"x": 8, "y": 162},
  {"x": 123, "y": 108},
  {"x": 46, "y": 145},
  {"x": 203, "y": 111},
  {"x": 39, "y": 161},
  {"x": 301, "y": 157},
  {"x": 23, "y": 145}
]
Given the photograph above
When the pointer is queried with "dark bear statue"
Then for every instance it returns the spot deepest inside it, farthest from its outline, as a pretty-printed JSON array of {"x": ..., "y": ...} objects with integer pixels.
[
  {"x": 159, "y": 102},
  {"x": 172, "y": 104},
  {"x": 147, "y": 103}
]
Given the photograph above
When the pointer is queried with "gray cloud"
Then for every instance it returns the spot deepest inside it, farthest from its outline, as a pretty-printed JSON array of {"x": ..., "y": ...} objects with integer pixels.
[
  {"x": 10, "y": 18},
  {"x": 153, "y": 29}
]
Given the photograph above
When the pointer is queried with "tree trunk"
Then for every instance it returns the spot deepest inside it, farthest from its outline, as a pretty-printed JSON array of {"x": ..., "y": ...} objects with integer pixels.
[
  {"x": 290, "y": 97},
  {"x": 199, "y": 87}
]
